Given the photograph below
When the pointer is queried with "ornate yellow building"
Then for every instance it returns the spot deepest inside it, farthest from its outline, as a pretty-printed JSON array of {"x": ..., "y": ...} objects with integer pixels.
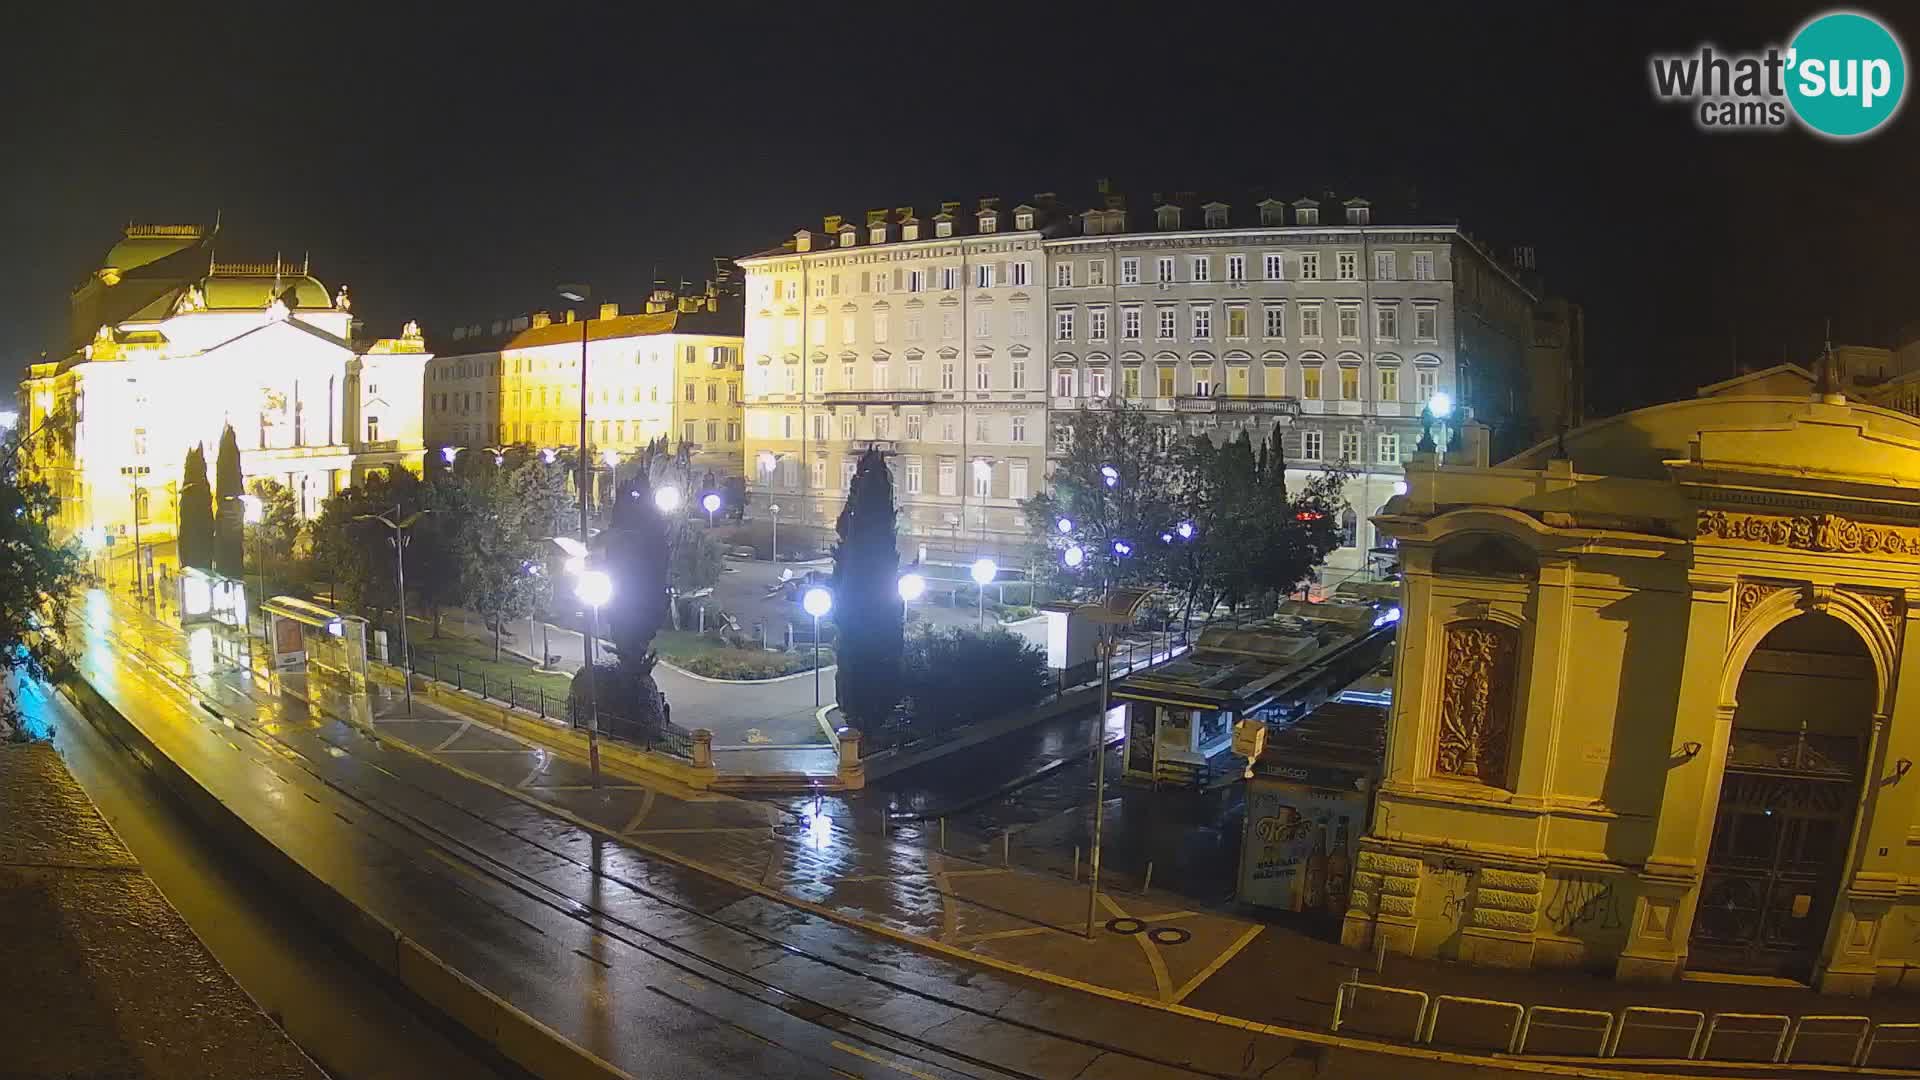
[
  {"x": 168, "y": 345},
  {"x": 1649, "y": 711},
  {"x": 671, "y": 369}
]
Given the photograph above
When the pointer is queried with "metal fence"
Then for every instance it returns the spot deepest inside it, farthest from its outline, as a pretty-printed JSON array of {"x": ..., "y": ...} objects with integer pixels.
[
  {"x": 1400, "y": 1014},
  {"x": 533, "y": 697}
]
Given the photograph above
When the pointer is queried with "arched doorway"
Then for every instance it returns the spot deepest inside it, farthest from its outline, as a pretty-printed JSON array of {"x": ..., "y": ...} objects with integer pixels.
[{"x": 1787, "y": 802}]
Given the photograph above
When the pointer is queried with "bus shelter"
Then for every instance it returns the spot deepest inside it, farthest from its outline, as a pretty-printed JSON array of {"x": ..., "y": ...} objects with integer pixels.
[{"x": 319, "y": 656}]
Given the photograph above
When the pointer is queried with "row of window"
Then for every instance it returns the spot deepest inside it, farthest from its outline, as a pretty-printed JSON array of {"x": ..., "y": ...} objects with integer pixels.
[
  {"x": 718, "y": 356},
  {"x": 1092, "y": 272},
  {"x": 1066, "y": 380},
  {"x": 1313, "y": 384},
  {"x": 485, "y": 400},
  {"x": 989, "y": 479},
  {"x": 1068, "y": 321},
  {"x": 912, "y": 428},
  {"x": 567, "y": 433}
]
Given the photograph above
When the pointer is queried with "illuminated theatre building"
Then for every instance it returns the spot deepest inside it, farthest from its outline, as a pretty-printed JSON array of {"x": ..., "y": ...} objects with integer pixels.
[
  {"x": 168, "y": 345},
  {"x": 1654, "y": 710}
]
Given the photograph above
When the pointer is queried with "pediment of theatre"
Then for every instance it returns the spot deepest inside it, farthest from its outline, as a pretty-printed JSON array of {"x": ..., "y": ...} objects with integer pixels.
[{"x": 277, "y": 347}]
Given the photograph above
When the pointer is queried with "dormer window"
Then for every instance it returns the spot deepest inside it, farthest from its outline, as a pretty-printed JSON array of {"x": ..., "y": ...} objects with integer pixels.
[
  {"x": 989, "y": 222},
  {"x": 1167, "y": 217},
  {"x": 877, "y": 234},
  {"x": 1359, "y": 214},
  {"x": 943, "y": 227},
  {"x": 1273, "y": 213},
  {"x": 909, "y": 230},
  {"x": 1216, "y": 216},
  {"x": 849, "y": 236},
  {"x": 1306, "y": 213},
  {"x": 1023, "y": 220}
]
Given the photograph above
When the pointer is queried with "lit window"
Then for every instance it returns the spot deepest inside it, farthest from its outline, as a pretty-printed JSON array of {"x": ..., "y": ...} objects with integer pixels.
[
  {"x": 1237, "y": 321},
  {"x": 1350, "y": 384},
  {"x": 1310, "y": 383},
  {"x": 1389, "y": 384}
]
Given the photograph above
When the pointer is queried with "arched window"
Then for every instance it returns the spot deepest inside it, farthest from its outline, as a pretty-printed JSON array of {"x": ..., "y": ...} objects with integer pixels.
[{"x": 1349, "y": 527}]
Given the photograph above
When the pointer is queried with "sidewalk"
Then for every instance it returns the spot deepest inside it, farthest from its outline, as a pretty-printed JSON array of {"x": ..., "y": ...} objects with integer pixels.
[
  {"x": 1150, "y": 947},
  {"x": 103, "y": 977}
]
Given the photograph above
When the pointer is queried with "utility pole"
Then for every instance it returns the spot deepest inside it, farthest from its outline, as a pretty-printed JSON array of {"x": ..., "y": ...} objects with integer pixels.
[{"x": 579, "y": 294}]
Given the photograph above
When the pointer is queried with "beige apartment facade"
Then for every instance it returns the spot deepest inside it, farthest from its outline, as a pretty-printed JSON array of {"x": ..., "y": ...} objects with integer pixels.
[
  {"x": 672, "y": 370},
  {"x": 922, "y": 337},
  {"x": 1650, "y": 710},
  {"x": 959, "y": 342}
]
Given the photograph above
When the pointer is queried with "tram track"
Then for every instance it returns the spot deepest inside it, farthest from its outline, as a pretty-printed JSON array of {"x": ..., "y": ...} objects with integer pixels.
[{"x": 444, "y": 847}]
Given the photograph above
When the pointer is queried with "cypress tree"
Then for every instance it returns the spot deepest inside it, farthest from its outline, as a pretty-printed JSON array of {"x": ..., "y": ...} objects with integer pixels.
[
  {"x": 195, "y": 537},
  {"x": 229, "y": 535},
  {"x": 866, "y": 600}
]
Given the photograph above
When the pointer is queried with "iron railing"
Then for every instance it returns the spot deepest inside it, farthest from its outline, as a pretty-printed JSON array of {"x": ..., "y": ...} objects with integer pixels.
[{"x": 533, "y": 697}]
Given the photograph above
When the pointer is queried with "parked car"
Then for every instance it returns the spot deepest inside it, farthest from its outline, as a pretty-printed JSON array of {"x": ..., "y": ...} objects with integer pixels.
[{"x": 740, "y": 551}]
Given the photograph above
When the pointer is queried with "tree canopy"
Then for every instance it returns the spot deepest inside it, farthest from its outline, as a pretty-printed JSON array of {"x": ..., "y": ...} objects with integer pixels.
[
  {"x": 229, "y": 523},
  {"x": 867, "y": 608},
  {"x": 37, "y": 577},
  {"x": 195, "y": 535}
]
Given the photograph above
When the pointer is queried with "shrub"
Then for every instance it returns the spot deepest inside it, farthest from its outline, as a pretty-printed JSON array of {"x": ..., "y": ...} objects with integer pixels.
[
  {"x": 751, "y": 664},
  {"x": 955, "y": 676},
  {"x": 1017, "y": 612}
]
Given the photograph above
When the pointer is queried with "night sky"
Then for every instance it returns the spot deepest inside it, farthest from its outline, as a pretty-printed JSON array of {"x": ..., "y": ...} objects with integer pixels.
[{"x": 454, "y": 166}]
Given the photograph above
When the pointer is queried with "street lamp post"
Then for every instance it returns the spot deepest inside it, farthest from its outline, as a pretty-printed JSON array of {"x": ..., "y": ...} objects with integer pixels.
[
  {"x": 710, "y": 502},
  {"x": 818, "y": 602},
  {"x": 253, "y": 512},
  {"x": 134, "y": 473},
  {"x": 774, "y": 554},
  {"x": 594, "y": 588},
  {"x": 984, "y": 571},
  {"x": 579, "y": 294},
  {"x": 400, "y": 576}
]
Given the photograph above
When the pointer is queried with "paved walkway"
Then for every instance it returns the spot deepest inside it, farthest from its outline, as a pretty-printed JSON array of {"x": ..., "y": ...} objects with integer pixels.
[{"x": 102, "y": 977}]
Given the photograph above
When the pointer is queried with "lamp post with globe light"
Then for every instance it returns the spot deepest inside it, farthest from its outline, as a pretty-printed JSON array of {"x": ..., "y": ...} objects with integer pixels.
[
  {"x": 400, "y": 539},
  {"x": 594, "y": 588},
  {"x": 710, "y": 502},
  {"x": 817, "y": 602},
  {"x": 773, "y": 554},
  {"x": 983, "y": 572}
]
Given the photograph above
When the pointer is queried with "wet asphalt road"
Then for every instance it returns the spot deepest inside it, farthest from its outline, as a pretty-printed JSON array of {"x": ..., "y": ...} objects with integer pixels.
[{"x": 659, "y": 969}]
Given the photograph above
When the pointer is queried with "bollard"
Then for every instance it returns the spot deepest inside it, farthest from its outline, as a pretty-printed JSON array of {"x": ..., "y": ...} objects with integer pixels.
[
  {"x": 1076, "y": 864},
  {"x": 1006, "y": 848},
  {"x": 1379, "y": 951},
  {"x": 542, "y": 691},
  {"x": 943, "y": 834},
  {"x": 883, "y": 823},
  {"x": 1148, "y": 883}
]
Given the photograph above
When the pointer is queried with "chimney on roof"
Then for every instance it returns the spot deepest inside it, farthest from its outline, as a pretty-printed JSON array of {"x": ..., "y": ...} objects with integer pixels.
[
  {"x": 830, "y": 224},
  {"x": 689, "y": 303},
  {"x": 540, "y": 319},
  {"x": 876, "y": 217},
  {"x": 1103, "y": 186},
  {"x": 990, "y": 203},
  {"x": 1046, "y": 200},
  {"x": 609, "y": 311},
  {"x": 950, "y": 208}
]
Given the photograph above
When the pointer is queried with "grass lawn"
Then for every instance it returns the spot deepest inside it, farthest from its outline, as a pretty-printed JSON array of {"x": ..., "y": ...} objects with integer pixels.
[
  {"x": 705, "y": 656},
  {"x": 476, "y": 658}
]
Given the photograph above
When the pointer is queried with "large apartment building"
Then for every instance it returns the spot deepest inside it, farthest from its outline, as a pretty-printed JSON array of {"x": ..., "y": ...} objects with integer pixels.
[
  {"x": 672, "y": 369},
  {"x": 958, "y": 343}
]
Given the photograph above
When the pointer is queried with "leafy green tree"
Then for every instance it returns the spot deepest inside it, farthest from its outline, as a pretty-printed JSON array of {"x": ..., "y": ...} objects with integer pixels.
[
  {"x": 38, "y": 575},
  {"x": 499, "y": 545},
  {"x": 273, "y": 539},
  {"x": 229, "y": 523},
  {"x": 1150, "y": 476},
  {"x": 697, "y": 562},
  {"x": 356, "y": 556},
  {"x": 195, "y": 536},
  {"x": 867, "y": 607},
  {"x": 955, "y": 676}
]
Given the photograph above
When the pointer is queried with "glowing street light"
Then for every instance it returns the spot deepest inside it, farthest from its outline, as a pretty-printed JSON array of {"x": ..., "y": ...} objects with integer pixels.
[
  {"x": 1064, "y": 525},
  {"x": 1074, "y": 556},
  {"x": 1185, "y": 529},
  {"x": 983, "y": 572},
  {"x": 1399, "y": 487},
  {"x": 912, "y": 587},
  {"x": 710, "y": 502},
  {"x": 1441, "y": 403},
  {"x": 666, "y": 498},
  {"x": 817, "y": 602},
  {"x": 548, "y": 454},
  {"x": 1111, "y": 475},
  {"x": 774, "y": 554},
  {"x": 448, "y": 453},
  {"x": 594, "y": 588},
  {"x": 609, "y": 458},
  {"x": 1122, "y": 548}
]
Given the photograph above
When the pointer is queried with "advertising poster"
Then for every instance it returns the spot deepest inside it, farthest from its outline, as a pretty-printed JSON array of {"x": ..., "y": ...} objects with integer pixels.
[
  {"x": 1298, "y": 853},
  {"x": 1142, "y": 747}
]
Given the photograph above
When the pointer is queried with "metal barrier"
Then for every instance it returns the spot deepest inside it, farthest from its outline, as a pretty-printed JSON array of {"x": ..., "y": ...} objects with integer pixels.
[
  {"x": 1846, "y": 1035},
  {"x": 1647, "y": 1042},
  {"x": 1508, "y": 1028},
  {"x": 1904, "y": 1039},
  {"x": 1552, "y": 1018},
  {"x": 1352, "y": 996},
  {"x": 1758, "y": 1028}
]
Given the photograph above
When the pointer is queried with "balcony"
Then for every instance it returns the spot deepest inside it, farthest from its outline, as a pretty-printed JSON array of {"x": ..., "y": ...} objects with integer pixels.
[
  {"x": 877, "y": 397},
  {"x": 1238, "y": 405}
]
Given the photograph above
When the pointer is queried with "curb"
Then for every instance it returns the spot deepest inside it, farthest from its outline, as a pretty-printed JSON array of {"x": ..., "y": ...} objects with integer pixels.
[
  {"x": 516, "y": 1035},
  {"x": 742, "y": 682},
  {"x": 820, "y": 717}
]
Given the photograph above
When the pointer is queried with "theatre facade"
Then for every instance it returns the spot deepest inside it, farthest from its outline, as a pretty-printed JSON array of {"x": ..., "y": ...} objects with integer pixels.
[{"x": 1649, "y": 712}]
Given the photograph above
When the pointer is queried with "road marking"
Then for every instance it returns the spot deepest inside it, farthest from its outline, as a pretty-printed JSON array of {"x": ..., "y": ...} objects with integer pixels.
[
  {"x": 757, "y": 830},
  {"x": 1025, "y": 931},
  {"x": 539, "y": 766},
  {"x": 461, "y": 730},
  {"x": 484, "y": 750},
  {"x": 878, "y": 1060},
  {"x": 1218, "y": 962},
  {"x": 1154, "y": 960},
  {"x": 646, "y": 804}
]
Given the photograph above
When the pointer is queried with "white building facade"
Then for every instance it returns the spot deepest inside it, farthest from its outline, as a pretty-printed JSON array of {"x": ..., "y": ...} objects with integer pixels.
[{"x": 959, "y": 354}]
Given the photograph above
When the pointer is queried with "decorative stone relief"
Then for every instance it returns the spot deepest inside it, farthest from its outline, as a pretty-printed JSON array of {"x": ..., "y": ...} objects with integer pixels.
[
  {"x": 1385, "y": 884},
  {"x": 1476, "y": 701},
  {"x": 1749, "y": 596},
  {"x": 1809, "y": 532},
  {"x": 1885, "y": 605}
]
